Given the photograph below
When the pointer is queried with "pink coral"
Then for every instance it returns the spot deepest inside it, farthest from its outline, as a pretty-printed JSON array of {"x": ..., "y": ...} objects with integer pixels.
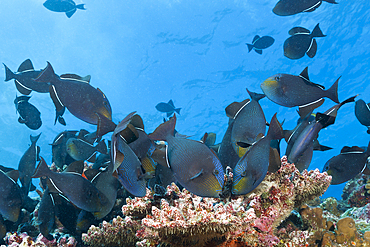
[
  {"x": 22, "y": 239},
  {"x": 184, "y": 219}
]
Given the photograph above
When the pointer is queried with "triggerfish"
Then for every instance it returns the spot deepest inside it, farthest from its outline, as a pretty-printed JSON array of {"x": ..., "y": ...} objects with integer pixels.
[
  {"x": 10, "y": 195},
  {"x": 67, "y": 6},
  {"x": 27, "y": 164},
  {"x": 23, "y": 78},
  {"x": 301, "y": 42},
  {"x": 78, "y": 96},
  {"x": 194, "y": 165},
  {"x": 292, "y": 7},
  {"x": 362, "y": 113},
  {"x": 168, "y": 108},
  {"x": 291, "y": 90},
  {"x": 28, "y": 113},
  {"x": 345, "y": 166},
  {"x": 80, "y": 191},
  {"x": 260, "y": 43},
  {"x": 252, "y": 167}
]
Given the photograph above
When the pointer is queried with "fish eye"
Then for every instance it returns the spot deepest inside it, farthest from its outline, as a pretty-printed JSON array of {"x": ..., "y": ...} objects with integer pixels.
[
  {"x": 277, "y": 78},
  {"x": 216, "y": 172},
  {"x": 244, "y": 174}
]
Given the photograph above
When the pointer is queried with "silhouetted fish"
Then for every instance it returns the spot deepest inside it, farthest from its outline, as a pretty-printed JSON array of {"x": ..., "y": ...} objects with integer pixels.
[
  {"x": 194, "y": 165},
  {"x": 345, "y": 166},
  {"x": 72, "y": 185},
  {"x": 28, "y": 113},
  {"x": 67, "y": 6},
  {"x": 290, "y": 90},
  {"x": 46, "y": 214},
  {"x": 10, "y": 195},
  {"x": 302, "y": 42},
  {"x": 292, "y": 7},
  {"x": 362, "y": 112},
  {"x": 27, "y": 163},
  {"x": 59, "y": 149},
  {"x": 168, "y": 108},
  {"x": 24, "y": 78},
  {"x": 260, "y": 43},
  {"x": 249, "y": 120},
  {"x": 79, "y": 97},
  {"x": 252, "y": 167}
]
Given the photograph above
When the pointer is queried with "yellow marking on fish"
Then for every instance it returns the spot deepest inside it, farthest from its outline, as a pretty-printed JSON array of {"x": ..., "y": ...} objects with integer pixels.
[{"x": 270, "y": 83}]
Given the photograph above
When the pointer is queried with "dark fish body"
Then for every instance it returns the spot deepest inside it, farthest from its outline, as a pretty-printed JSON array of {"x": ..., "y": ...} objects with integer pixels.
[
  {"x": 290, "y": 90},
  {"x": 226, "y": 152},
  {"x": 10, "y": 197},
  {"x": 59, "y": 149},
  {"x": 76, "y": 188},
  {"x": 346, "y": 165},
  {"x": 67, "y": 6},
  {"x": 28, "y": 113},
  {"x": 252, "y": 167},
  {"x": 125, "y": 161},
  {"x": 194, "y": 165},
  {"x": 79, "y": 149},
  {"x": 23, "y": 78},
  {"x": 46, "y": 214},
  {"x": 260, "y": 43},
  {"x": 249, "y": 121},
  {"x": 362, "y": 112},
  {"x": 301, "y": 42},
  {"x": 168, "y": 108},
  {"x": 27, "y": 163},
  {"x": 79, "y": 97},
  {"x": 292, "y": 7}
]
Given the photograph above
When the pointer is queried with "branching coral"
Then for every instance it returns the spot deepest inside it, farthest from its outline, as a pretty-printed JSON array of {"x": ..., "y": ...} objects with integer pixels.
[{"x": 180, "y": 218}]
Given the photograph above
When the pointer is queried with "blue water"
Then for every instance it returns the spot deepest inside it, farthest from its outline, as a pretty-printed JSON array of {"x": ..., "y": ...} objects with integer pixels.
[{"x": 140, "y": 53}]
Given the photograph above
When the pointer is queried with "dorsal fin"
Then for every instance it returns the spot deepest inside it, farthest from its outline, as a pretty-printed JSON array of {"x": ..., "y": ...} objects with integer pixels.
[
  {"x": 13, "y": 174},
  {"x": 257, "y": 37},
  {"x": 299, "y": 30},
  {"x": 347, "y": 149},
  {"x": 304, "y": 74},
  {"x": 26, "y": 66},
  {"x": 91, "y": 174},
  {"x": 171, "y": 103},
  {"x": 232, "y": 109},
  {"x": 75, "y": 77},
  {"x": 75, "y": 167},
  {"x": 137, "y": 122}
]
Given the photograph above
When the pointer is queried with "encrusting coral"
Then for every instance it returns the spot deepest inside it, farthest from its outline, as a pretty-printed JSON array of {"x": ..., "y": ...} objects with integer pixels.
[{"x": 180, "y": 218}]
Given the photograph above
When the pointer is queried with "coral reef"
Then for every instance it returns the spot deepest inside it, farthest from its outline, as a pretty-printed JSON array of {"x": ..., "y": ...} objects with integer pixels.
[
  {"x": 22, "y": 239},
  {"x": 179, "y": 218}
]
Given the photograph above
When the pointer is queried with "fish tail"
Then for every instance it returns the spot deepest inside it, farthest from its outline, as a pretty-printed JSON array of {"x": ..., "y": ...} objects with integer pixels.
[
  {"x": 331, "y": 1},
  {"x": 368, "y": 149},
  {"x": 8, "y": 73},
  {"x": 250, "y": 47},
  {"x": 255, "y": 96},
  {"x": 34, "y": 138},
  {"x": 164, "y": 130},
  {"x": 47, "y": 75},
  {"x": 80, "y": 6},
  {"x": 42, "y": 169},
  {"x": 332, "y": 92},
  {"x": 316, "y": 32},
  {"x": 102, "y": 147},
  {"x": 178, "y": 110},
  {"x": 275, "y": 129}
]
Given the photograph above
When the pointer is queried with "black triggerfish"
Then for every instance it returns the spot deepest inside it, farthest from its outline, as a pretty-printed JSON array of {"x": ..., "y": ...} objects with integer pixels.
[
  {"x": 260, "y": 43},
  {"x": 292, "y": 7},
  {"x": 362, "y": 113},
  {"x": 194, "y": 165},
  {"x": 28, "y": 113},
  {"x": 67, "y": 6}
]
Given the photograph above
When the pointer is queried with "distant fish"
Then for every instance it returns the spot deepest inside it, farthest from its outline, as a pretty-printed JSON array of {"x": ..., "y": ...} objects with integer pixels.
[
  {"x": 362, "y": 112},
  {"x": 252, "y": 168},
  {"x": 67, "y": 6},
  {"x": 10, "y": 196},
  {"x": 290, "y": 90},
  {"x": 79, "y": 149},
  {"x": 194, "y": 165},
  {"x": 168, "y": 108},
  {"x": 345, "y": 166},
  {"x": 302, "y": 42},
  {"x": 260, "y": 43},
  {"x": 292, "y": 7},
  {"x": 28, "y": 113},
  {"x": 250, "y": 120},
  {"x": 80, "y": 191},
  {"x": 27, "y": 163},
  {"x": 82, "y": 100},
  {"x": 23, "y": 78}
]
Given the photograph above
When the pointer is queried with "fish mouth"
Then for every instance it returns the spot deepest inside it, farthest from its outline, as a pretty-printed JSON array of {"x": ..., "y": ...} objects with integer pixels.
[{"x": 269, "y": 82}]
